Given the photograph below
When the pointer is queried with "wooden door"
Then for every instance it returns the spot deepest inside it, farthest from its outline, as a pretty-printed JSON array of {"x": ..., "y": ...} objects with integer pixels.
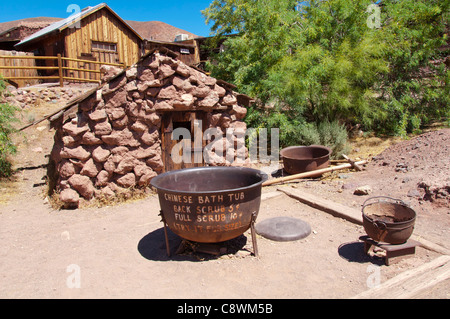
[{"x": 182, "y": 148}]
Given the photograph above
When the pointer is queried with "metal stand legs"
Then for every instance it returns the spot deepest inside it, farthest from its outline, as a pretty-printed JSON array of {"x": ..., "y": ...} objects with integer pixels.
[{"x": 207, "y": 247}]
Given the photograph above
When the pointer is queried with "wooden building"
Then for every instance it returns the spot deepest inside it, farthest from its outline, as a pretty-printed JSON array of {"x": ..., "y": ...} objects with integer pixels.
[{"x": 96, "y": 34}]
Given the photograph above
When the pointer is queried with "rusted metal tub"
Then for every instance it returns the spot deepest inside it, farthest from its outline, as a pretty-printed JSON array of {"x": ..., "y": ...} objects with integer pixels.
[
  {"x": 209, "y": 204},
  {"x": 388, "y": 219},
  {"x": 299, "y": 159}
]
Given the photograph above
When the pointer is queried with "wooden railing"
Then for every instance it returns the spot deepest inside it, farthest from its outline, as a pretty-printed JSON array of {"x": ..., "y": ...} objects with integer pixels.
[{"x": 59, "y": 67}]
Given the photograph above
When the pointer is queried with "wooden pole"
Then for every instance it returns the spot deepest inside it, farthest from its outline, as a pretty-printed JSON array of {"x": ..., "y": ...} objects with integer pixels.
[
  {"x": 311, "y": 173},
  {"x": 61, "y": 79}
]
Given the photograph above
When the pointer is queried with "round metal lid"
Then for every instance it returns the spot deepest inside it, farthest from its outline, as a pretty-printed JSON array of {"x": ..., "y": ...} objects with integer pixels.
[{"x": 283, "y": 229}]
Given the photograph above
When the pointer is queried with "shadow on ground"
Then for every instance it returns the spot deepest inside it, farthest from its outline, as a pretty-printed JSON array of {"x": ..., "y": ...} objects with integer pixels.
[
  {"x": 354, "y": 252},
  {"x": 153, "y": 247}
]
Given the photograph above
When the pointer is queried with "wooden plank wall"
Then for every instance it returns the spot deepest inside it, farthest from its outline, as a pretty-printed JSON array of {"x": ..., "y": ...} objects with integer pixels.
[
  {"x": 18, "y": 62},
  {"x": 101, "y": 26}
]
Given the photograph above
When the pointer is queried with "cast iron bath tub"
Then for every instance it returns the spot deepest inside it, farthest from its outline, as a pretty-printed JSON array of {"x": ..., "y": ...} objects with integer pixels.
[{"x": 209, "y": 204}]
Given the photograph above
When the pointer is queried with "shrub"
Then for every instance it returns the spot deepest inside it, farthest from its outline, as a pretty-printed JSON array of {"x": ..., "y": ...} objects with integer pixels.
[
  {"x": 295, "y": 131},
  {"x": 7, "y": 148},
  {"x": 329, "y": 134}
]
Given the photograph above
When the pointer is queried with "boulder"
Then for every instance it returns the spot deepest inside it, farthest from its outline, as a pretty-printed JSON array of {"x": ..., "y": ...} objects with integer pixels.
[
  {"x": 89, "y": 138},
  {"x": 121, "y": 138},
  {"x": 127, "y": 180},
  {"x": 102, "y": 128},
  {"x": 90, "y": 168},
  {"x": 100, "y": 154},
  {"x": 102, "y": 178},
  {"x": 126, "y": 164},
  {"x": 66, "y": 169},
  {"x": 73, "y": 129},
  {"x": 169, "y": 92},
  {"x": 83, "y": 185},
  {"x": 78, "y": 153},
  {"x": 98, "y": 115},
  {"x": 210, "y": 100},
  {"x": 69, "y": 197}
]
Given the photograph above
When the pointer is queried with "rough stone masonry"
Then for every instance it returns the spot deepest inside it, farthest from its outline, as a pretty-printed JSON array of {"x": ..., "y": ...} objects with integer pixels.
[{"x": 113, "y": 141}]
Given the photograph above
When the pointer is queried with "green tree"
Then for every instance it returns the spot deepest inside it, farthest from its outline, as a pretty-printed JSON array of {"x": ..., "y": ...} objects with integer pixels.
[
  {"x": 415, "y": 90},
  {"x": 7, "y": 117},
  {"x": 319, "y": 61}
]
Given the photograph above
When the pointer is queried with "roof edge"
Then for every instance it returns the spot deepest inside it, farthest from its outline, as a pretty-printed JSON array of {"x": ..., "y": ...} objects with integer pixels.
[{"x": 59, "y": 26}]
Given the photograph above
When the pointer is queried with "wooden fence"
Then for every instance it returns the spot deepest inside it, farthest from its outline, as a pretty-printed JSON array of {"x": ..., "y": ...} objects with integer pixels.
[
  {"x": 17, "y": 67},
  {"x": 50, "y": 69}
]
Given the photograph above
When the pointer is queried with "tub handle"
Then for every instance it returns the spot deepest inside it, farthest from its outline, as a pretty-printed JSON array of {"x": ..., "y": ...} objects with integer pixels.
[{"x": 379, "y": 224}]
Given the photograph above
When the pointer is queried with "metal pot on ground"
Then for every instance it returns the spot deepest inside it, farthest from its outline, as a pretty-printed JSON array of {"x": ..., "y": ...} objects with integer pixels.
[
  {"x": 388, "y": 220},
  {"x": 299, "y": 159}
]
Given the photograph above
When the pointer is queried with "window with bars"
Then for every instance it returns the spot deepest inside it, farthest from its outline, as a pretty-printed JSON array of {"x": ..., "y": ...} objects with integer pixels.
[{"x": 104, "y": 46}]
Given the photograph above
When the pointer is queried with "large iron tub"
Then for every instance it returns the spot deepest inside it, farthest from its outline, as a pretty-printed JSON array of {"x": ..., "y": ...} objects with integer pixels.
[{"x": 209, "y": 204}]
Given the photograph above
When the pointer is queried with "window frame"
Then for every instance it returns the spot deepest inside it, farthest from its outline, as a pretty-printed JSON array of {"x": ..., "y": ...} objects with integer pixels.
[{"x": 101, "y": 46}]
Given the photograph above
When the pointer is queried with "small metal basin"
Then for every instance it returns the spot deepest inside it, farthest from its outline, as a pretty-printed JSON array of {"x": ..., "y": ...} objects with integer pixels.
[{"x": 388, "y": 220}]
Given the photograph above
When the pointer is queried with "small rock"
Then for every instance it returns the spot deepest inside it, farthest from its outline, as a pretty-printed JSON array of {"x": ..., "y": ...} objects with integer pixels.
[
  {"x": 349, "y": 186},
  {"x": 69, "y": 196},
  {"x": 414, "y": 193},
  {"x": 363, "y": 190}
]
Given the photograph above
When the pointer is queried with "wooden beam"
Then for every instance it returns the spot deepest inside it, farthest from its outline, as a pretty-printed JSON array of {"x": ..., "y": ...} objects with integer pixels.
[
  {"x": 82, "y": 70},
  {"x": 122, "y": 65},
  {"x": 32, "y": 57},
  {"x": 81, "y": 79},
  {"x": 312, "y": 173},
  {"x": 29, "y": 67},
  {"x": 411, "y": 283},
  {"x": 351, "y": 214},
  {"x": 31, "y": 77},
  {"x": 333, "y": 208}
]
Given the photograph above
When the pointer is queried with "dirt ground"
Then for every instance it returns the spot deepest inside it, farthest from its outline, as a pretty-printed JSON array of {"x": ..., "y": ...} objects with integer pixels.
[{"x": 119, "y": 251}]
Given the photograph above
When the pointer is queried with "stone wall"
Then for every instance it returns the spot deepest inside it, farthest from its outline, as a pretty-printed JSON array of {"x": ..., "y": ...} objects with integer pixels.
[{"x": 113, "y": 142}]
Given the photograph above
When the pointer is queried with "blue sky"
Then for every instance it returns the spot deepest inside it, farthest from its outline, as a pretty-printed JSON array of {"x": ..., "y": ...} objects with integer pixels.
[{"x": 183, "y": 14}]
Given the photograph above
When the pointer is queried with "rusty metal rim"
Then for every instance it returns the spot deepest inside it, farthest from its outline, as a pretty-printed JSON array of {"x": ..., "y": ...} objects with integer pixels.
[
  {"x": 264, "y": 177},
  {"x": 310, "y": 146},
  {"x": 393, "y": 201}
]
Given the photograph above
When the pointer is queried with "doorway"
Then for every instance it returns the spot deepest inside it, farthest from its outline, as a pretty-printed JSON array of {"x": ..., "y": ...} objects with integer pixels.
[{"x": 182, "y": 139}]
